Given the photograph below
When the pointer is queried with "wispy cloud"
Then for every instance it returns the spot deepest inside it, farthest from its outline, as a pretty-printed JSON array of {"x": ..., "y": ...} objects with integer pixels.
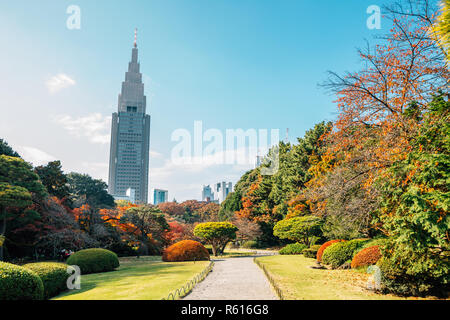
[
  {"x": 94, "y": 126},
  {"x": 59, "y": 82},
  {"x": 36, "y": 156}
]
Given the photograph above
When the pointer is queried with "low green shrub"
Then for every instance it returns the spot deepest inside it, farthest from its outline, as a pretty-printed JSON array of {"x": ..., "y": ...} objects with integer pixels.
[
  {"x": 292, "y": 248},
  {"x": 94, "y": 260},
  {"x": 324, "y": 246},
  {"x": 53, "y": 275},
  {"x": 396, "y": 279},
  {"x": 19, "y": 283},
  {"x": 340, "y": 252},
  {"x": 251, "y": 244},
  {"x": 312, "y": 251}
]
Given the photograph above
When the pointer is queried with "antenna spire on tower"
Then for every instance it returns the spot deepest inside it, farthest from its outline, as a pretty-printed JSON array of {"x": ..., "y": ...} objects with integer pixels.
[{"x": 135, "y": 38}]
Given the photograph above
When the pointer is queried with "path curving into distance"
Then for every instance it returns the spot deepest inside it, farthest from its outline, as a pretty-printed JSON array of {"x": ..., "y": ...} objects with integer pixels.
[{"x": 234, "y": 279}]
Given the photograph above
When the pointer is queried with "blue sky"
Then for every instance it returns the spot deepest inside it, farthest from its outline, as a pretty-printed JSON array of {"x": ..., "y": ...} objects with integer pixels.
[{"x": 229, "y": 63}]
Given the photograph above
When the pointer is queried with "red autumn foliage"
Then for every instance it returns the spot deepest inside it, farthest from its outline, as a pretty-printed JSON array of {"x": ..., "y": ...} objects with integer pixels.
[
  {"x": 114, "y": 218},
  {"x": 172, "y": 208},
  {"x": 178, "y": 231},
  {"x": 366, "y": 257},
  {"x": 323, "y": 247},
  {"x": 407, "y": 67},
  {"x": 186, "y": 250}
]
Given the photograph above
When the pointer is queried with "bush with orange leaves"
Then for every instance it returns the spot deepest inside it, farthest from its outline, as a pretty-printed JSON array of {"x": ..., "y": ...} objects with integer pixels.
[
  {"x": 186, "y": 250},
  {"x": 323, "y": 247},
  {"x": 366, "y": 257}
]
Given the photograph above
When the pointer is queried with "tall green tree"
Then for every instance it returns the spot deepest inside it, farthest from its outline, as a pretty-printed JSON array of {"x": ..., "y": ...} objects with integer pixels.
[
  {"x": 54, "y": 179},
  {"x": 18, "y": 185},
  {"x": 6, "y": 150},
  {"x": 86, "y": 190},
  {"x": 414, "y": 211}
]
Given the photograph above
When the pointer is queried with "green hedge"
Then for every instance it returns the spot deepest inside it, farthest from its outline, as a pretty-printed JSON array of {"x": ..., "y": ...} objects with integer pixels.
[
  {"x": 292, "y": 248},
  {"x": 312, "y": 251},
  {"x": 395, "y": 279},
  {"x": 94, "y": 260},
  {"x": 340, "y": 252},
  {"x": 19, "y": 283},
  {"x": 53, "y": 275}
]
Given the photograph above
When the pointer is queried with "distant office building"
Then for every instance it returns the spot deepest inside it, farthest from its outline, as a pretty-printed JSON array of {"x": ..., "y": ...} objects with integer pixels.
[
  {"x": 207, "y": 194},
  {"x": 222, "y": 189},
  {"x": 130, "y": 137},
  {"x": 160, "y": 196},
  {"x": 218, "y": 192},
  {"x": 130, "y": 196}
]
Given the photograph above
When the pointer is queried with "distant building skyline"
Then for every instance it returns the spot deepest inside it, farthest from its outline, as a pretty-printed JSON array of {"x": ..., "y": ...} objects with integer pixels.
[
  {"x": 130, "y": 196},
  {"x": 130, "y": 136},
  {"x": 218, "y": 192},
  {"x": 207, "y": 194},
  {"x": 160, "y": 196}
]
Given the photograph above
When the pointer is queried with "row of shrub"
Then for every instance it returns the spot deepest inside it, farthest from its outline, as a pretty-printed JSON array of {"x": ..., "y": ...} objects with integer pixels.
[
  {"x": 300, "y": 248},
  {"x": 354, "y": 253},
  {"x": 43, "y": 280},
  {"x": 293, "y": 248}
]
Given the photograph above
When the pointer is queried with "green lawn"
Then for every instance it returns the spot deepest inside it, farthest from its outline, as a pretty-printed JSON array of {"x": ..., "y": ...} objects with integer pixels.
[
  {"x": 146, "y": 278},
  {"x": 299, "y": 282}
]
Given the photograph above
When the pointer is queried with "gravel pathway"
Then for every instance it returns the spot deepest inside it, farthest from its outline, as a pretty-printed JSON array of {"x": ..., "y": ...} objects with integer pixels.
[{"x": 234, "y": 279}]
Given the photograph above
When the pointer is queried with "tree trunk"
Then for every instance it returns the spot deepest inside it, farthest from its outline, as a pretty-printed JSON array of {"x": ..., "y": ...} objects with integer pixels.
[
  {"x": 214, "y": 249},
  {"x": 222, "y": 248}
]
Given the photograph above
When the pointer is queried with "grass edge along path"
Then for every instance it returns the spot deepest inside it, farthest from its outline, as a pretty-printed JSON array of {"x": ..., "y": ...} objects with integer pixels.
[
  {"x": 187, "y": 288},
  {"x": 269, "y": 277},
  {"x": 297, "y": 281},
  {"x": 146, "y": 278}
]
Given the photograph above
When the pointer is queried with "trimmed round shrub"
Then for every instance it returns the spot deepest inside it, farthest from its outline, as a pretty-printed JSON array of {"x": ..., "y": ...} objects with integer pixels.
[
  {"x": 339, "y": 253},
  {"x": 311, "y": 252},
  {"x": 251, "y": 244},
  {"x": 94, "y": 260},
  {"x": 293, "y": 248},
  {"x": 185, "y": 250},
  {"x": 19, "y": 283},
  {"x": 366, "y": 257},
  {"x": 53, "y": 275},
  {"x": 323, "y": 247}
]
